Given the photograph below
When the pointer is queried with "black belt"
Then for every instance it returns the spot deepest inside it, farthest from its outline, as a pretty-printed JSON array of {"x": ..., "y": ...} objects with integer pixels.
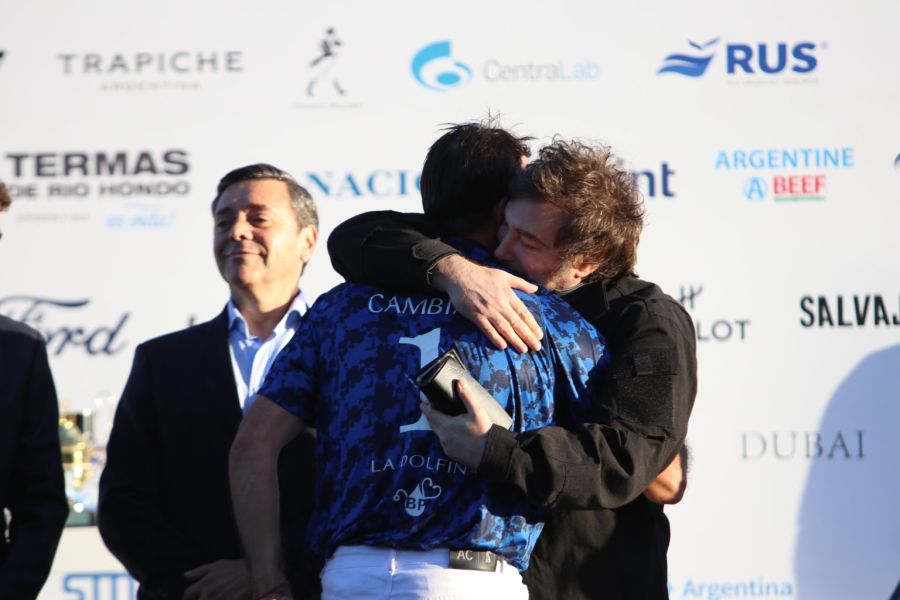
[{"x": 474, "y": 560}]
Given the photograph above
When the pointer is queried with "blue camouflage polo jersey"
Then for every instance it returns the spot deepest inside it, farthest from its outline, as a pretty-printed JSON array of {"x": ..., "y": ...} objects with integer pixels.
[{"x": 383, "y": 479}]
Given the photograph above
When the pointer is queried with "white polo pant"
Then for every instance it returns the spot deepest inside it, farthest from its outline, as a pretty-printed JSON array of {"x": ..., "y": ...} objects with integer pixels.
[{"x": 370, "y": 573}]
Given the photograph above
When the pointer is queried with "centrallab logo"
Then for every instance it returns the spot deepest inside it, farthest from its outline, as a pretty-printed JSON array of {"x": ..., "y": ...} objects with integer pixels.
[
  {"x": 434, "y": 67},
  {"x": 785, "y": 174},
  {"x": 760, "y": 59}
]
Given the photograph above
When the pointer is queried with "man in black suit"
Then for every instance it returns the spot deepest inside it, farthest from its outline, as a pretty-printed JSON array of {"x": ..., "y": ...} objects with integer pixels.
[
  {"x": 31, "y": 476},
  {"x": 165, "y": 510}
]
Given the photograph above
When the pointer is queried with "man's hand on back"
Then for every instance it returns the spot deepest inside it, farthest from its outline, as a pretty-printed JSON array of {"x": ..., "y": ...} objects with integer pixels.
[
  {"x": 219, "y": 580},
  {"x": 485, "y": 296}
]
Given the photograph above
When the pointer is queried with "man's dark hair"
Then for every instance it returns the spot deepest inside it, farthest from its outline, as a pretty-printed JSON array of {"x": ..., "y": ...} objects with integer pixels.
[
  {"x": 603, "y": 211},
  {"x": 467, "y": 173},
  {"x": 5, "y": 200},
  {"x": 301, "y": 201}
]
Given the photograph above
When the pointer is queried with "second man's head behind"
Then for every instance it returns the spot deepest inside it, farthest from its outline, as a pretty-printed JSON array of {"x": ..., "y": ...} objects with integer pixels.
[{"x": 570, "y": 216}]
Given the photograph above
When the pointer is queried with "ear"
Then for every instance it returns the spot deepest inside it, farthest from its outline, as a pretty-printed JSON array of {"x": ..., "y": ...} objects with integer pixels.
[
  {"x": 583, "y": 266},
  {"x": 500, "y": 211},
  {"x": 309, "y": 237}
]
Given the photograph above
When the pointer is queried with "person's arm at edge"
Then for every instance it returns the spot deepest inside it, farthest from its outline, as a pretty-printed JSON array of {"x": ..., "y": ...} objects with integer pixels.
[
  {"x": 253, "y": 475},
  {"x": 604, "y": 465},
  {"x": 464, "y": 439},
  {"x": 38, "y": 500},
  {"x": 593, "y": 466}
]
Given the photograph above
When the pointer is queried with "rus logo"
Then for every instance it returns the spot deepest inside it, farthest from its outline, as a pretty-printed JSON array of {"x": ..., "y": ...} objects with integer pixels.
[
  {"x": 686, "y": 64},
  {"x": 740, "y": 58}
]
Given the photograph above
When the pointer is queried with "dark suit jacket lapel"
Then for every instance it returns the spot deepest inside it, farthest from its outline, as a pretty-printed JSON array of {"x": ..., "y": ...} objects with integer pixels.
[{"x": 218, "y": 372}]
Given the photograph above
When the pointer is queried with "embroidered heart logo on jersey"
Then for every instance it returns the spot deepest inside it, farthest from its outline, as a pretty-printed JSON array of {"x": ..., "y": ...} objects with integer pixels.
[{"x": 415, "y": 502}]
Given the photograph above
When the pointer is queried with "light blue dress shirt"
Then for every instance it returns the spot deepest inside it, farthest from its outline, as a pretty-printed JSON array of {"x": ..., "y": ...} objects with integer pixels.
[{"x": 251, "y": 356}]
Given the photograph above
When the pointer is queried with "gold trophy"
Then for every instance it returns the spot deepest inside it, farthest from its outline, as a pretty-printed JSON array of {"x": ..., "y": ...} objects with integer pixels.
[{"x": 77, "y": 453}]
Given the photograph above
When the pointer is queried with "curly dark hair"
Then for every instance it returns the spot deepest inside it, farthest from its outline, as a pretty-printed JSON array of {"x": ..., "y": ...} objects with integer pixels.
[
  {"x": 5, "y": 200},
  {"x": 467, "y": 173},
  {"x": 603, "y": 210}
]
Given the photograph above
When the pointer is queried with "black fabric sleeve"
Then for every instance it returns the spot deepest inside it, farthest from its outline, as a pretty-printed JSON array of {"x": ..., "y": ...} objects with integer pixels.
[
  {"x": 644, "y": 401},
  {"x": 37, "y": 499},
  {"x": 389, "y": 249},
  {"x": 130, "y": 516}
]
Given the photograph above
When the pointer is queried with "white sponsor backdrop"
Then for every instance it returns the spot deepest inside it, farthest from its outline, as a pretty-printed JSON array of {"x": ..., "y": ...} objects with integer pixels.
[{"x": 769, "y": 173}]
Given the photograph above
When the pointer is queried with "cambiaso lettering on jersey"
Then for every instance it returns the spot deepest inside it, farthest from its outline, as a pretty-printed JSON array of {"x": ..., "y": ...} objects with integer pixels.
[{"x": 383, "y": 479}]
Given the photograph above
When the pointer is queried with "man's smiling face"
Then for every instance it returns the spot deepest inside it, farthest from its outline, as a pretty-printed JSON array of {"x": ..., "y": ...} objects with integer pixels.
[{"x": 257, "y": 240}]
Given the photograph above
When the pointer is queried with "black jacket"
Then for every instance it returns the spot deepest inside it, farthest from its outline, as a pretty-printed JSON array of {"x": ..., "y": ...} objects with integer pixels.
[
  {"x": 165, "y": 505},
  {"x": 602, "y": 539},
  {"x": 31, "y": 475}
]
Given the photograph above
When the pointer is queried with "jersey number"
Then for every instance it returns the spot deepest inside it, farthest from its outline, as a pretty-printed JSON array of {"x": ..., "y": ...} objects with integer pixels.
[{"x": 428, "y": 345}]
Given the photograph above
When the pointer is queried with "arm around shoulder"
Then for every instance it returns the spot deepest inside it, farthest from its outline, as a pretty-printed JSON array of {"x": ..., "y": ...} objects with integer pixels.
[{"x": 387, "y": 248}]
